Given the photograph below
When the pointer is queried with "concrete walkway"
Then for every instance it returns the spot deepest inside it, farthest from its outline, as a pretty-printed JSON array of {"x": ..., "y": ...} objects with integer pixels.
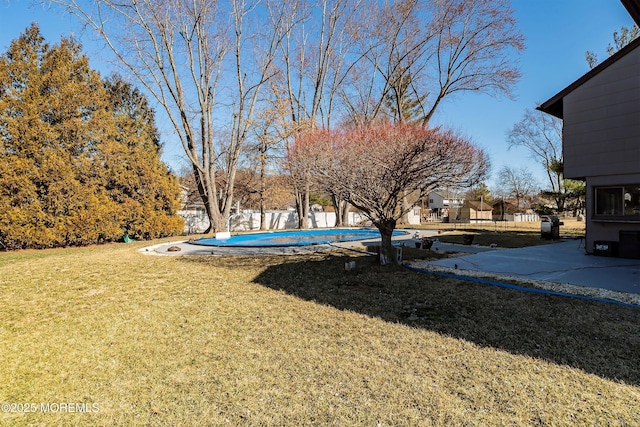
[{"x": 563, "y": 262}]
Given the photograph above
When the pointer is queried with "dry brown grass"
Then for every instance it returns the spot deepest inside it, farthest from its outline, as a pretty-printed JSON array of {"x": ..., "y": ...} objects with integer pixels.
[
  {"x": 570, "y": 227},
  {"x": 503, "y": 234},
  {"x": 298, "y": 341},
  {"x": 503, "y": 239}
]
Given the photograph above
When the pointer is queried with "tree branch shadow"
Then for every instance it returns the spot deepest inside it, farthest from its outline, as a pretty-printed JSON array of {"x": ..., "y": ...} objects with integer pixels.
[{"x": 599, "y": 338}]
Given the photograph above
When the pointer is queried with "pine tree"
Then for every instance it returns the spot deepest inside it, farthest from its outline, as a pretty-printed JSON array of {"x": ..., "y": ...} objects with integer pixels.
[
  {"x": 57, "y": 122},
  {"x": 135, "y": 175},
  {"x": 402, "y": 101}
]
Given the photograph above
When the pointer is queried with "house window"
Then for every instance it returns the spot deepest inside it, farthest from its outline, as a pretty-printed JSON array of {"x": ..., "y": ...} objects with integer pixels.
[
  {"x": 618, "y": 201},
  {"x": 632, "y": 200},
  {"x": 609, "y": 201}
]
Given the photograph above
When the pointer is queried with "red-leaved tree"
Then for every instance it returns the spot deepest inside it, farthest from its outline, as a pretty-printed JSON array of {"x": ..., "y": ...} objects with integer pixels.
[{"x": 374, "y": 167}]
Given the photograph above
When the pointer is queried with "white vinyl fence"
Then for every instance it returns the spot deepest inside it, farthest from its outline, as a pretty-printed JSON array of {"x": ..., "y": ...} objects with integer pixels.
[
  {"x": 522, "y": 217},
  {"x": 196, "y": 221}
]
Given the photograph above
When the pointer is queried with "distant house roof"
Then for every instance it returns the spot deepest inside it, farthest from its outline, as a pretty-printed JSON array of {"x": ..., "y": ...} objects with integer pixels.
[
  {"x": 554, "y": 105},
  {"x": 478, "y": 206},
  {"x": 501, "y": 202},
  {"x": 508, "y": 207},
  {"x": 445, "y": 194}
]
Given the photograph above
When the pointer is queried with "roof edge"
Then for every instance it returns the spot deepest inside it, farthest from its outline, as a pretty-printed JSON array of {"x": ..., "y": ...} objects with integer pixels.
[
  {"x": 633, "y": 8},
  {"x": 554, "y": 105}
]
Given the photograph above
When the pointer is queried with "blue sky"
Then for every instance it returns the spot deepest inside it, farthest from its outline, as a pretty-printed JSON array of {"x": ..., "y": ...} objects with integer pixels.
[{"x": 557, "y": 32}]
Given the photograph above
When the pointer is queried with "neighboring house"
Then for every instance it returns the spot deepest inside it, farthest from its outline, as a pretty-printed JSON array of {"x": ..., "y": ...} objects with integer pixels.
[
  {"x": 445, "y": 199},
  {"x": 476, "y": 211},
  {"x": 601, "y": 146},
  {"x": 443, "y": 204},
  {"x": 502, "y": 208},
  {"x": 507, "y": 211}
]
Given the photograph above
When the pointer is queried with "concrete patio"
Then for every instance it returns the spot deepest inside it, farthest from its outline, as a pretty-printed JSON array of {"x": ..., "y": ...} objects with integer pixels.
[{"x": 564, "y": 262}]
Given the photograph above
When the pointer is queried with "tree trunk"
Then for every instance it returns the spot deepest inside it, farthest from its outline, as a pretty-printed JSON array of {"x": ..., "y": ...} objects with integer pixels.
[
  {"x": 345, "y": 213},
  {"x": 302, "y": 206},
  {"x": 263, "y": 217},
  {"x": 336, "y": 207},
  {"x": 208, "y": 201},
  {"x": 263, "y": 161},
  {"x": 218, "y": 222},
  {"x": 561, "y": 194},
  {"x": 405, "y": 208},
  {"x": 341, "y": 208},
  {"x": 387, "y": 250}
]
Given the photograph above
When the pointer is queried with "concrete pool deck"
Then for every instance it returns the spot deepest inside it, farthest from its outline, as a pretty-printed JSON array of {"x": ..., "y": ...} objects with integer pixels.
[
  {"x": 564, "y": 262},
  {"x": 185, "y": 248}
]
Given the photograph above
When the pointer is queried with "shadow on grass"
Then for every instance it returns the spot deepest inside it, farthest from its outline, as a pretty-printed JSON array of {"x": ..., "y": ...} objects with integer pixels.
[
  {"x": 599, "y": 338},
  {"x": 502, "y": 239}
]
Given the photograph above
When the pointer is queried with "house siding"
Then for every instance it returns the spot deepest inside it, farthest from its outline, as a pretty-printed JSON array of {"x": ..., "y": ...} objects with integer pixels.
[
  {"x": 601, "y": 145},
  {"x": 601, "y": 140},
  {"x": 602, "y": 122}
]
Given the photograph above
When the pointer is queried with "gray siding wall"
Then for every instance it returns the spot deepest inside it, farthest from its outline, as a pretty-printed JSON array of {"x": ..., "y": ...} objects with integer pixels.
[{"x": 602, "y": 122}]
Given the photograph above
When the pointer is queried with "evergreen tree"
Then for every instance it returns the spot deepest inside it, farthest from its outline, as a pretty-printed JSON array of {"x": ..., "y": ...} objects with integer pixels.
[
  {"x": 58, "y": 122},
  {"x": 402, "y": 100},
  {"x": 134, "y": 174}
]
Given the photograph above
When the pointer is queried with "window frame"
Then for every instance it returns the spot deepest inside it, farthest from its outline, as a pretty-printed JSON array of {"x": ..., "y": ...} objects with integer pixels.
[{"x": 620, "y": 210}]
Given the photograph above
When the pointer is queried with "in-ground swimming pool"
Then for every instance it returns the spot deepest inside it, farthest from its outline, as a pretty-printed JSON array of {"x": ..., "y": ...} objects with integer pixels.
[{"x": 295, "y": 237}]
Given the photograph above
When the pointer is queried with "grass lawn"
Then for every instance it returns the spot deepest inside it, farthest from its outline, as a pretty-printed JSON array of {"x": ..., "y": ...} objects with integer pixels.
[
  {"x": 504, "y": 239},
  {"x": 503, "y": 234},
  {"x": 297, "y": 340}
]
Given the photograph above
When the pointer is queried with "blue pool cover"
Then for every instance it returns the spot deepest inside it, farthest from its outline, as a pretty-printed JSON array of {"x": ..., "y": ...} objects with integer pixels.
[{"x": 295, "y": 238}]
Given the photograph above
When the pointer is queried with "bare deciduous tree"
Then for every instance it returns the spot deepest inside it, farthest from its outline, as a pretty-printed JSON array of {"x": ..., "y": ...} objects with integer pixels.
[
  {"x": 313, "y": 64},
  {"x": 541, "y": 134},
  {"x": 255, "y": 50},
  {"x": 177, "y": 50},
  {"x": 517, "y": 183},
  {"x": 203, "y": 59},
  {"x": 473, "y": 45},
  {"x": 426, "y": 52},
  {"x": 376, "y": 166},
  {"x": 271, "y": 133}
]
